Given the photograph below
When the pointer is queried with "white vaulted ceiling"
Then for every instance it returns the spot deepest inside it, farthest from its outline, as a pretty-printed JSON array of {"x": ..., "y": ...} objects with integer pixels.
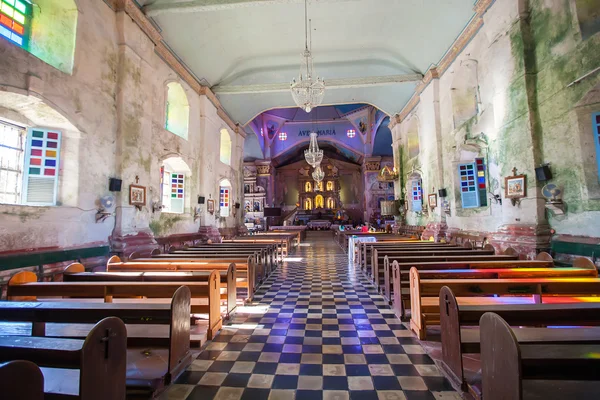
[{"x": 363, "y": 48}]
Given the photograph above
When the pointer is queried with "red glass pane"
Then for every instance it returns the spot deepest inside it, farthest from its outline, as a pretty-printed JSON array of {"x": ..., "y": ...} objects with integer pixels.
[
  {"x": 35, "y": 161},
  {"x": 52, "y": 135},
  {"x": 4, "y": 20},
  {"x": 36, "y": 152},
  {"x": 49, "y": 172},
  {"x": 482, "y": 186}
]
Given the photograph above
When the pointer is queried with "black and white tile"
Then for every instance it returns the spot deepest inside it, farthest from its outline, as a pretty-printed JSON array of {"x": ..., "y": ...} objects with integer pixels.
[{"x": 317, "y": 329}]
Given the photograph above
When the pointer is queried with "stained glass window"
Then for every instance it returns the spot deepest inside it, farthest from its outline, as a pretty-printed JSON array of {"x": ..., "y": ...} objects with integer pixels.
[
  {"x": 416, "y": 195},
  {"x": 351, "y": 133},
  {"x": 42, "y": 157},
  {"x": 282, "y": 136},
  {"x": 224, "y": 201},
  {"x": 172, "y": 186},
  {"x": 596, "y": 130},
  {"x": 473, "y": 186},
  {"x": 15, "y": 21}
]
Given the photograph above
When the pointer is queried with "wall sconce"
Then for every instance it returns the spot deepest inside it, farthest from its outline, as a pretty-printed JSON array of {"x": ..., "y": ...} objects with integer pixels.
[
  {"x": 446, "y": 207},
  {"x": 157, "y": 206},
  {"x": 236, "y": 207},
  {"x": 496, "y": 197},
  {"x": 106, "y": 203}
]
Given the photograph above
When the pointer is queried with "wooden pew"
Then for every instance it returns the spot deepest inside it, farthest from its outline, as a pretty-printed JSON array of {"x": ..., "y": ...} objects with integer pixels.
[
  {"x": 260, "y": 257},
  {"x": 379, "y": 268},
  {"x": 76, "y": 273},
  {"x": 511, "y": 371},
  {"x": 21, "y": 380},
  {"x": 378, "y": 255},
  {"x": 100, "y": 359},
  {"x": 167, "y": 360},
  {"x": 274, "y": 250},
  {"x": 24, "y": 285},
  {"x": 457, "y": 340},
  {"x": 365, "y": 248},
  {"x": 246, "y": 275},
  {"x": 424, "y": 293},
  {"x": 286, "y": 242},
  {"x": 397, "y": 281}
]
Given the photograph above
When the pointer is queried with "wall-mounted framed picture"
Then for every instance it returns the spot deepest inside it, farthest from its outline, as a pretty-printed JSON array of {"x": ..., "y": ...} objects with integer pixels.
[
  {"x": 432, "y": 200},
  {"x": 210, "y": 206},
  {"x": 137, "y": 195},
  {"x": 515, "y": 187}
]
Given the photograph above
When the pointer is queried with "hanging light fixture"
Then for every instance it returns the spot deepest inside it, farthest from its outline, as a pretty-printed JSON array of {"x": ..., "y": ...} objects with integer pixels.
[
  {"x": 313, "y": 155},
  {"x": 308, "y": 91},
  {"x": 318, "y": 174}
]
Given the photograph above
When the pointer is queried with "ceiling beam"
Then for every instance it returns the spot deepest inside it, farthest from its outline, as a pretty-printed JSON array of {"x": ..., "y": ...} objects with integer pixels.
[
  {"x": 187, "y": 6},
  {"x": 344, "y": 83}
]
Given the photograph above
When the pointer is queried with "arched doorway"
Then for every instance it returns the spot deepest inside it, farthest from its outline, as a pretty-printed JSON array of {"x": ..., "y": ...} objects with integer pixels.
[{"x": 330, "y": 203}]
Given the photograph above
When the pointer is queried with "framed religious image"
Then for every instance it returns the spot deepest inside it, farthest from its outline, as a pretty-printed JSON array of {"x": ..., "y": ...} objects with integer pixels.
[
  {"x": 137, "y": 195},
  {"x": 210, "y": 206},
  {"x": 432, "y": 200},
  {"x": 515, "y": 187}
]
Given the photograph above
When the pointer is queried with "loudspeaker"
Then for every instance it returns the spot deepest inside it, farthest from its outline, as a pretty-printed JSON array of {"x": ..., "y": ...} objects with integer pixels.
[
  {"x": 201, "y": 199},
  {"x": 114, "y": 184},
  {"x": 442, "y": 193},
  {"x": 543, "y": 173}
]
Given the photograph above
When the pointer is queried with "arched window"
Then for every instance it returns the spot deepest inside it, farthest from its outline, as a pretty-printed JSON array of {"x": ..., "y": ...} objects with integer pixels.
[
  {"x": 330, "y": 203},
  {"x": 173, "y": 174},
  {"x": 308, "y": 187},
  {"x": 225, "y": 149},
  {"x": 319, "y": 201},
  {"x": 308, "y": 204},
  {"x": 330, "y": 186},
  {"x": 177, "y": 110}
]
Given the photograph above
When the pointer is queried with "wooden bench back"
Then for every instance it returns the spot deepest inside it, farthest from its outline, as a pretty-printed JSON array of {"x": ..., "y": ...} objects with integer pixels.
[
  {"x": 501, "y": 359},
  {"x": 103, "y": 366},
  {"x": 21, "y": 380}
]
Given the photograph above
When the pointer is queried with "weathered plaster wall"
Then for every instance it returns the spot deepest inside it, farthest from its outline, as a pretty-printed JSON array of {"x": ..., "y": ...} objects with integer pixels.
[
  {"x": 506, "y": 98},
  {"x": 113, "y": 106}
]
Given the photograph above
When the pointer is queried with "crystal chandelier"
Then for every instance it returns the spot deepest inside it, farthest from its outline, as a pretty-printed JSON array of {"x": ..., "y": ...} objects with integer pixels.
[
  {"x": 308, "y": 91},
  {"x": 318, "y": 174},
  {"x": 313, "y": 155}
]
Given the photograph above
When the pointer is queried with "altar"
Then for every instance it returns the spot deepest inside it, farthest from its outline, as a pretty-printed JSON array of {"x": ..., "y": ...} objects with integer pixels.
[{"x": 319, "y": 224}]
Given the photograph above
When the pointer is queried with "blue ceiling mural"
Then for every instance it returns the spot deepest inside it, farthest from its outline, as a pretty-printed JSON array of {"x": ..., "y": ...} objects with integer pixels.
[{"x": 383, "y": 140}]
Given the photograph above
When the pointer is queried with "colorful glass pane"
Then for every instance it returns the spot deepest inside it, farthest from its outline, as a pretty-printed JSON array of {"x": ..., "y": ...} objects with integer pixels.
[
  {"x": 34, "y": 171},
  {"x": 49, "y": 172},
  {"x": 15, "y": 21},
  {"x": 52, "y": 135}
]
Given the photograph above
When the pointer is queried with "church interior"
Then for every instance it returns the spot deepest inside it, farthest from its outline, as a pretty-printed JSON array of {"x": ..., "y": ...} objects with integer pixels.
[{"x": 299, "y": 199}]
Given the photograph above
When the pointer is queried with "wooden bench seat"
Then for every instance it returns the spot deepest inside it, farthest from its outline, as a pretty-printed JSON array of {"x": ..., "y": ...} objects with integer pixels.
[
  {"x": 451, "y": 254},
  {"x": 76, "y": 273},
  {"x": 246, "y": 273},
  {"x": 154, "y": 365},
  {"x": 553, "y": 371},
  {"x": 24, "y": 286},
  {"x": 21, "y": 380},
  {"x": 583, "y": 269},
  {"x": 365, "y": 249},
  {"x": 459, "y": 319},
  {"x": 421, "y": 315},
  {"x": 100, "y": 361},
  {"x": 274, "y": 249}
]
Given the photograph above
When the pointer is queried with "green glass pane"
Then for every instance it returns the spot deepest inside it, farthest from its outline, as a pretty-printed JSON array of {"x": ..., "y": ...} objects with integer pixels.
[
  {"x": 34, "y": 171},
  {"x": 11, "y": 2},
  {"x": 173, "y": 196},
  {"x": 37, "y": 134},
  {"x": 21, "y": 7}
]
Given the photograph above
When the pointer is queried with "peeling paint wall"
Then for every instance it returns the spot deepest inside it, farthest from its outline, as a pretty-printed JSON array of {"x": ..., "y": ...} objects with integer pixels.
[
  {"x": 506, "y": 98},
  {"x": 113, "y": 107}
]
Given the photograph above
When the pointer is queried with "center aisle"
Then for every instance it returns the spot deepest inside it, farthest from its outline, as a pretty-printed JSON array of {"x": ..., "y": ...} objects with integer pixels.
[{"x": 317, "y": 329}]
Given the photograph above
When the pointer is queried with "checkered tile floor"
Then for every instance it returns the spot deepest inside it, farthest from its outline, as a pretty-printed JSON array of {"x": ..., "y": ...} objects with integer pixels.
[{"x": 316, "y": 330}]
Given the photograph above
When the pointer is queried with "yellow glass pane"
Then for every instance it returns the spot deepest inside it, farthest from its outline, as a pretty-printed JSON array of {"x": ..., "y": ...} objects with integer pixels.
[
  {"x": 480, "y": 173},
  {"x": 50, "y": 153},
  {"x": 8, "y": 10},
  {"x": 19, "y": 17}
]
